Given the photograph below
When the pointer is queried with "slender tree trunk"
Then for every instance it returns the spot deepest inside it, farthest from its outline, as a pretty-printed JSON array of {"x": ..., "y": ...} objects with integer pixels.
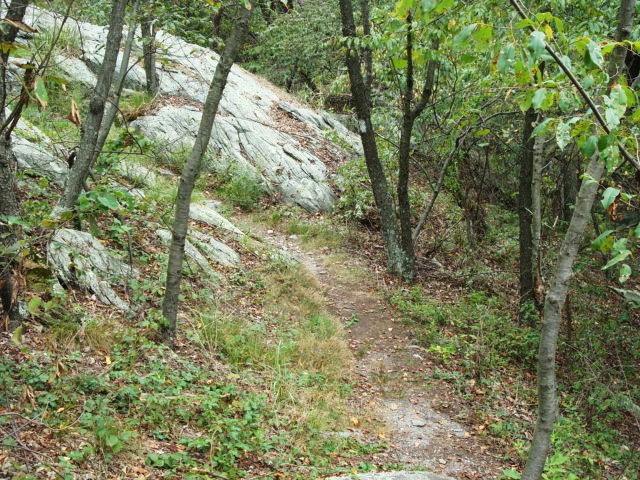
[
  {"x": 626, "y": 15},
  {"x": 570, "y": 185},
  {"x": 381, "y": 192},
  {"x": 552, "y": 318},
  {"x": 8, "y": 200},
  {"x": 149, "y": 52},
  {"x": 536, "y": 219},
  {"x": 192, "y": 170},
  {"x": 525, "y": 209},
  {"x": 113, "y": 106},
  {"x": 556, "y": 297},
  {"x": 404, "y": 155},
  {"x": 91, "y": 126},
  {"x": 367, "y": 56}
]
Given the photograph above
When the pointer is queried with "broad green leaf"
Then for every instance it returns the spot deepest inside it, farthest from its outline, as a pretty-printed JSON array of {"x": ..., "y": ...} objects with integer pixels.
[
  {"x": 482, "y": 36},
  {"x": 506, "y": 58},
  {"x": 625, "y": 273},
  {"x": 620, "y": 257},
  {"x": 589, "y": 147},
  {"x": 539, "y": 98},
  {"x": 611, "y": 157},
  {"x": 594, "y": 54},
  {"x": 40, "y": 92},
  {"x": 604, "y": 242},
  {"x": 33, "y": 307},
  {"x": 444, "y": 5},
  {"x": 563, "y": 134},
  {"x": 428, "y": 5},
  {"x": 461, "y": 40},
  {"x": 108, "y": 201},
  {"x": 537, "y": 43},
  {"x": 542, "y": 127},
  {"x": 609, "y": 196},
  {"x": 112, "y": 441},
  {"x": 399, "y": 63}
]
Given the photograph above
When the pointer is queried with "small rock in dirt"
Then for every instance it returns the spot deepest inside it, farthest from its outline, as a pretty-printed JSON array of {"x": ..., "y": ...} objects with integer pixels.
[{"x": 419, "y": 422}]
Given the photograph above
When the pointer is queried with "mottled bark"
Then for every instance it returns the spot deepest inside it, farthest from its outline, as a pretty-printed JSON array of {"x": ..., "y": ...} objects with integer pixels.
[
  {"x": 626, "y": 16},
  {"x": 570, "y": 183},
  {"x": 525, "y": 209},
  {"x": 114, "y": 101},
  {"x": 8, "y": 200},
  {"x": 536, "y": 220},
  {"x": 149, "y": 53},
  {"x": 93, "y": 120},
  {"x": 192, "y": 170},
  {"x": 381, "y": 192}
]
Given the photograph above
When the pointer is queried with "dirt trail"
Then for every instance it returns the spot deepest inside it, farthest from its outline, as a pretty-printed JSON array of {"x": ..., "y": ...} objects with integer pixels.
[{"x": 394, "y": 380}]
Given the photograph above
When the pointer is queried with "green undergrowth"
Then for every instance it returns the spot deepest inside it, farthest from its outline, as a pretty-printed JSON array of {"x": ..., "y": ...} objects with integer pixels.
[
  {"x": 258, "y": 380},
  {"x": 479, "y": 348}
]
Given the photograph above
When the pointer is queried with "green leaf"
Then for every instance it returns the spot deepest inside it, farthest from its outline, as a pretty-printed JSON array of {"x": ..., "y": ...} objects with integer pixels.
[
  {"x": 108, "y": 201},
  {"x": 33, "y": 306},
  {"x": 563, "y": 134},
  {"x": 511, "y": 474},
  {"x": 594, "y": 54},
  {"x": 604, "y": 242},
  {"x": 537, "y": 43},
  {"x": 40, "y": 92},
  {"x": 482, "y": 36},
  {"x": 617, "y": 259},
  {"x": 506, "y": 58},
  {"x": 399, "y": 63},
  {"x": 444, "y": 5},
  {"x": 542, "y": 127},
  {"x": 461, "y": 40},
  {"x": 112, "y": 441},
  {"x": 611, "y": 156},
  {"x": 589, "y": 147},
  {"x": 609, "y": 196},
  {"x": 625, "y": 273},
  {"x": 538, "y": 98}
]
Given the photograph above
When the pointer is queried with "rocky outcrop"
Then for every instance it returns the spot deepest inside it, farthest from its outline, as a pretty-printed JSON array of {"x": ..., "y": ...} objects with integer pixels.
[
  {"x": 79, "y": 259},
  {"x": 257, "y": 132}
]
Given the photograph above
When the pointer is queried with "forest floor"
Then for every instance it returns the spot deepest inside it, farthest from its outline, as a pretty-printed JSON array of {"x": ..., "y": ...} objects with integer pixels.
[{"x": 396, "y": 395}]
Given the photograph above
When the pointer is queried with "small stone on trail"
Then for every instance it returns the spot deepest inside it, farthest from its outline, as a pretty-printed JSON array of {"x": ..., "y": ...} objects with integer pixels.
[{"x": 419, "y": 422}]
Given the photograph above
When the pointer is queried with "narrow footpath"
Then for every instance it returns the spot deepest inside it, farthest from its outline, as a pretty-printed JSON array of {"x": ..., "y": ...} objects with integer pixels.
[{"x": 395, "y": 392}]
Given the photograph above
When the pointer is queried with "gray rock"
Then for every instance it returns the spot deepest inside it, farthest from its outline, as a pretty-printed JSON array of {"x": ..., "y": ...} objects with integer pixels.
[
  {"x": 32, "y": 149},
  {"x": 137, "y": 173},
  {"x": 252, "y": 135},
  {"x": 80, "y": 259},
  {"x": 195, "y": 260},
  {"x": 206, "y": 212},
  {"x": 419, "y": 422},
  {"x": 215, "y": 250},
  {"x": 392, "y": 476}
]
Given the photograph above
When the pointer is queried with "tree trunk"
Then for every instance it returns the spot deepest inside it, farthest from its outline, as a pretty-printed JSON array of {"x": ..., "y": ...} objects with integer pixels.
[
  {"x": 91, "y": 126},
  {"x": 404, "y": 155},
  {"x": 149, "y": 53},
  {"x": 557, "y": 295},
  {"x": 396, "y": 259},
  {"x": 570, "y": 182},
  {"x": 525, "y": 209},
  {"x": 552, "y": 318},
  {"x": 382, "y": 195},
  {"x": 8, "y": 200},
  {"x": 113, "y": 107},
  {"x": 626, "y": 15},
  {"x": 536, "y": 221},
  {"x": 192, "y": 170}
]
